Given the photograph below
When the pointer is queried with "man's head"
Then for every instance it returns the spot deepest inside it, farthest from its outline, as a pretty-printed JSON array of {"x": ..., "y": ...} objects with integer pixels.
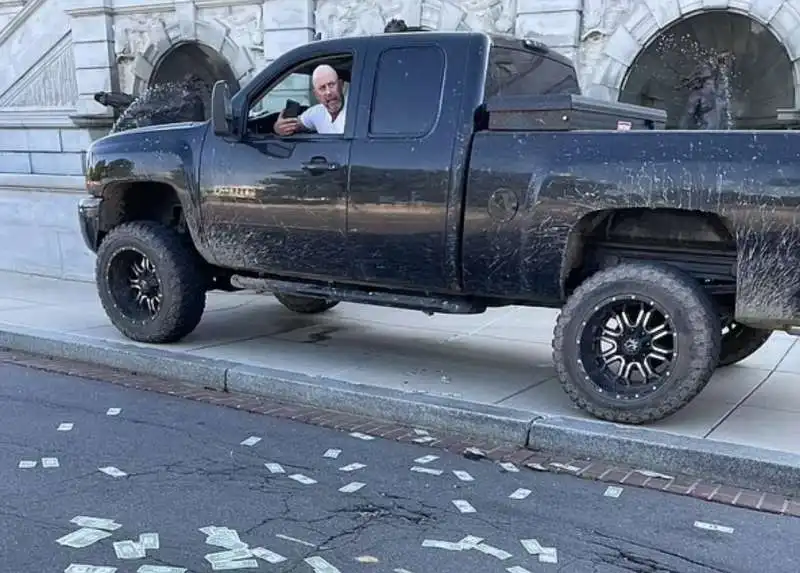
[{"x": 328, "y": 88}]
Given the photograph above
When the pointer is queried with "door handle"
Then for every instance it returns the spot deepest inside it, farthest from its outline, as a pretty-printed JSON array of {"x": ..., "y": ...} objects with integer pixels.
[{"x": 319, "y": 165}]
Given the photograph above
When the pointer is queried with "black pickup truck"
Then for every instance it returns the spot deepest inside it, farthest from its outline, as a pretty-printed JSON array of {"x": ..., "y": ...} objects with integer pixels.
[{"x": 470, "y": 174}]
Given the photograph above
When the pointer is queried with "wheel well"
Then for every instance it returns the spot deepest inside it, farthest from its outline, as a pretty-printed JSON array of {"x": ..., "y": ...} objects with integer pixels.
[
  {"x": 141, "y": 202},
  {"x": 700, "y": 242}
]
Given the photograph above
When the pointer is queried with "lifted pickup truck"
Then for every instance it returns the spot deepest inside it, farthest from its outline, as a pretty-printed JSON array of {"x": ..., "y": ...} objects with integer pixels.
[{"x": 470, "y": 174}]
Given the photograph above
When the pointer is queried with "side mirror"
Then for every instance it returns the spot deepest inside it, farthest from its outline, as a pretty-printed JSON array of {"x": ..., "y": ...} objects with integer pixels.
[{"x": 221, "y": 111}]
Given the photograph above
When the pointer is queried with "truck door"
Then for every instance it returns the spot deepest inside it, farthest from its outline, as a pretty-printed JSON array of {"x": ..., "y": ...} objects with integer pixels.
[
  {"x": 400, "y": 166},
  {"x": 279, "y": 204}
]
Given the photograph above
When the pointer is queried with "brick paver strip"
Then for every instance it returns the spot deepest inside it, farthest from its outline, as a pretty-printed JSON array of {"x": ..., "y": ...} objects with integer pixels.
[{"x": 596, "y": 470}]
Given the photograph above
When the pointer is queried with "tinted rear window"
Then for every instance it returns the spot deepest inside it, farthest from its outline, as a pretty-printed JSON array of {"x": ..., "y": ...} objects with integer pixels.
[{"x": 520, "y": 72}]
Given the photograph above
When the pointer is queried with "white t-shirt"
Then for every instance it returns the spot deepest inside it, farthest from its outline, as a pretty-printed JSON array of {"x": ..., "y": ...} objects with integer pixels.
[{"x": 318, "y": 119}]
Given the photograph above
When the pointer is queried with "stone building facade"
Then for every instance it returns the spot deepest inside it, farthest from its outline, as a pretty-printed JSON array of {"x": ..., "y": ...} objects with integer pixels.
[{"x": 57, "y": 53}]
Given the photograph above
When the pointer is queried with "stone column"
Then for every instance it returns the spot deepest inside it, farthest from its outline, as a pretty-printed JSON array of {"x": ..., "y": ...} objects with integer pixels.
[
  {"x": 287, "y": 24},
  {"x": 95, "y": 68},
  {"x": 557, "y": 23}
]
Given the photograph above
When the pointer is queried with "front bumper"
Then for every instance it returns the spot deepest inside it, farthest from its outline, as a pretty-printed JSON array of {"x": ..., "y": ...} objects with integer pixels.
[{"x": 89, "y": 221}]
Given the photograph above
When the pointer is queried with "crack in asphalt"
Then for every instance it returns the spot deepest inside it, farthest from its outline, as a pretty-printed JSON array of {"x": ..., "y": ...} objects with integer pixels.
[{"x": 629, "y": 560}]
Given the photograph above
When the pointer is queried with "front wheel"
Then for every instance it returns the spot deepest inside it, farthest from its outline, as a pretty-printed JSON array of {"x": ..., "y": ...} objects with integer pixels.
[
  {"x": 150, "y": 282},
  {"x": 305, "y": 304},
  {"x": 636, "y": 342}
]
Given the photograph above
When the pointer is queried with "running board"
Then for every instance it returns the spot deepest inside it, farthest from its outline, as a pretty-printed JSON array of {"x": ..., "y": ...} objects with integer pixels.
[{"x": 428, "y": 304}]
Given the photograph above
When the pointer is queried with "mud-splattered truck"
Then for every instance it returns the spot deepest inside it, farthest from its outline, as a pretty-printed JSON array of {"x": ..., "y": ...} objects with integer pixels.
[{"x": 470, "y": 174}]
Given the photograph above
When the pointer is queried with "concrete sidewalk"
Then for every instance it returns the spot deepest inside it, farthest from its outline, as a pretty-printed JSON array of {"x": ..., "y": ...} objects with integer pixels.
[{"x": 497, "y": 362}]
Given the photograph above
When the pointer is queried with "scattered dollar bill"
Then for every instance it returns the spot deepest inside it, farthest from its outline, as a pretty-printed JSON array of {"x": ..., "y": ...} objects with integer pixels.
[
  {"x": 532, "y": 546},
  {"x": 470, "y": 541},
  {"x": 548, "y": 555},
  {"x": 27, "y": 464},
  {"x": 65, "y": 426},
  {"x": 83, "y": 537},
  {"x": 95, "y": 522},
  {"x": 275, "y": 468},
  {"x": 238, "y": 564},
  {"x": 436, "y": 544},
  {"x": 251, "y": 441},
  {"x": 493, "y": 551},
  {"x": 361, "y": 436},
  {"x": 231, "y": 555},
  {"x": 463, "y": 506},
  {"x": 129, "y": 549},
  {"x": 81, "y": 568},
  {"x": 352, "y": 487},
  {"x": 267, "y": 555},
  {"x": 521, "y": 493},
  {"x": 50, "y": 462},
  {"x": 112, "y": 471},
  {"x": 517, "y": 569},
  {"x": 333, "y": 454},
  {"x": 352, "y": 467},
  {"x": 613, "y": 491},
  {"x": 426, "y": 459},
  {"x": 509, "y": 467},
  {"x": 430, "y": 471},
  {"x": 424, "y": 439},
  {"x": 149, "y": 540},
  {"x": 463, "y": 476},
  {"x": 160, "y": 569},
  {"x": 113, "y": 411},
  {"x": 224, "y": 537},
  {"x": 320, "y": 565},
  {"x": 300, "y": 478}
]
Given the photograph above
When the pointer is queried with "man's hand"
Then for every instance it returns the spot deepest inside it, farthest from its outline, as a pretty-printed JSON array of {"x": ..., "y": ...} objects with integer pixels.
[{"x": 287, "y": 125}]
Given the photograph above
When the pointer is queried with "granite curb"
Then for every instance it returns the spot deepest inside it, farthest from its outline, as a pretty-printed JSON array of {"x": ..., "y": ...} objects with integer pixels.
[{"x": 636, "y": 446}]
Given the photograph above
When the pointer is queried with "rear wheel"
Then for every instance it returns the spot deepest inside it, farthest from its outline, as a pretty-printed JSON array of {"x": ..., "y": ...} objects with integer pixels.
[
  {"x": 740, "y": 342},
  {"x": 305, "y": 304},
  {"x": 150, "y": 282},
  {"x": 636, "y": 342}
]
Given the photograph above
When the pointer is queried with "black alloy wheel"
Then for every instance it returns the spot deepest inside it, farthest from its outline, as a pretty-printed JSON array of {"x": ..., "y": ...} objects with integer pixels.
[
  {"x": 636, "y": 342},
  {"x": 628, "y": 347},
  {"x": 135, "y": 286}
]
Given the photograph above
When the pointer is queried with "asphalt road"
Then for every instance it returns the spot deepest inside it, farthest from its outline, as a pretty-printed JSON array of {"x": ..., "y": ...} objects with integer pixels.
[{"x": 186, "y": 469}]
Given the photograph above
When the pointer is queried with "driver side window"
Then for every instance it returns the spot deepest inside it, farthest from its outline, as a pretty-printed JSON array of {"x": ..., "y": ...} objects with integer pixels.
[{"x": 296, "y": 86}]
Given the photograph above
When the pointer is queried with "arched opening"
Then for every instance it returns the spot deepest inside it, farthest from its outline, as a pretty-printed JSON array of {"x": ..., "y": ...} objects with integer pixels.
[
  {"x": 753, "y": 66},
  {"x": 197, "y": 59}
]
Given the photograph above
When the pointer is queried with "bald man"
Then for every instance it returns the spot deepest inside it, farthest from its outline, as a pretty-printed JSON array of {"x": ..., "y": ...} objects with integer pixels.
[{"x": 326, "y": 117}]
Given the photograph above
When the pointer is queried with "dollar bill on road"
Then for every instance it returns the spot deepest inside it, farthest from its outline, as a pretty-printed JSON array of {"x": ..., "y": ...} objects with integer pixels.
[
  {"x": 83, "y": 537},
  {"x": 95, "y": 522},
  {"x": 129, "y": 550},
  {"x": 149, "y": 540}
]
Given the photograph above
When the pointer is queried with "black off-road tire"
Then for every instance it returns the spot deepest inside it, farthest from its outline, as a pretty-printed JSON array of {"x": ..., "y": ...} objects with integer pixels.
[
  {"x": 695, "y": 321},
  {"x": 179, "y": 270},
  {"x": 740, "y": 343},
  {"x": 305, "y": 304}
]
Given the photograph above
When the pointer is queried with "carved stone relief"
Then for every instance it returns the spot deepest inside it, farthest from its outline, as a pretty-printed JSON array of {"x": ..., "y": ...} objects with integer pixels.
[
  {"x": 600, "y": 19},
  {"x": 338, "y": 18},
  {"x": 51, "y": 83},
  {"x": 244, "y": 23},
  {"x": 131, "y": 38},
  {"x": 341, "y": 18}
]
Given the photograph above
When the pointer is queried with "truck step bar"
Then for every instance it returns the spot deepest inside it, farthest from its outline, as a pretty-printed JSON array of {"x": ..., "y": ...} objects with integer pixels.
[{"x": 429, "y": 304}]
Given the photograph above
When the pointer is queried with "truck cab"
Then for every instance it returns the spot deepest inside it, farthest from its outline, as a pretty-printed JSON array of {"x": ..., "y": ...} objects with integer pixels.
[{"x": 381, "y": 203}]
